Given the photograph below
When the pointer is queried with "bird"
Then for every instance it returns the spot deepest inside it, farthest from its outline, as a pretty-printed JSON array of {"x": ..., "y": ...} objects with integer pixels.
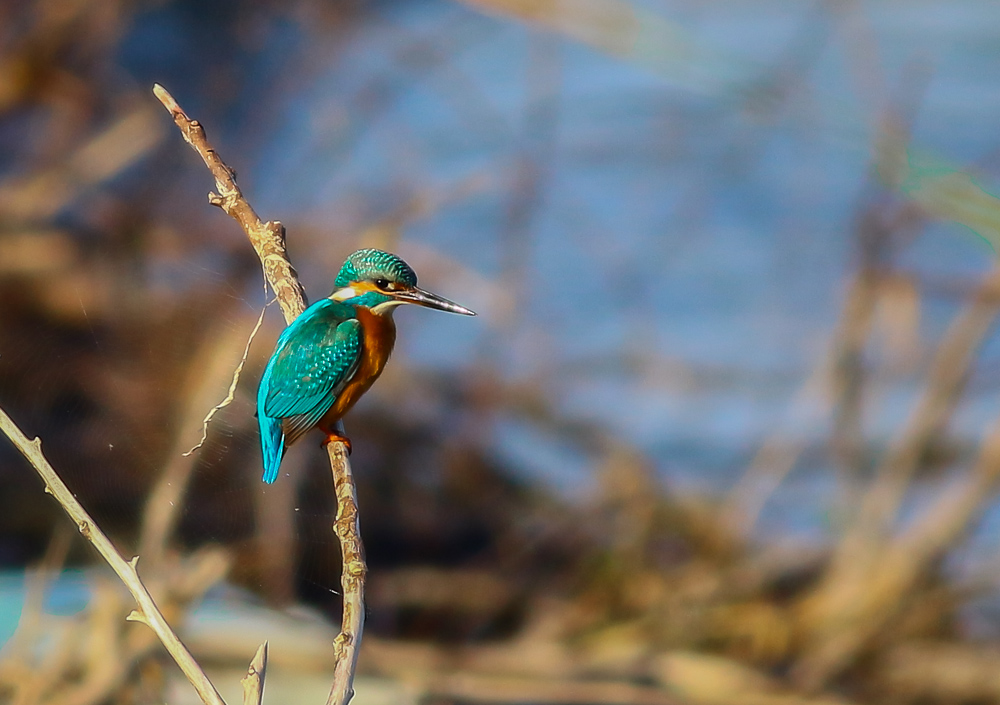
[{"x": 329, "y": 356}]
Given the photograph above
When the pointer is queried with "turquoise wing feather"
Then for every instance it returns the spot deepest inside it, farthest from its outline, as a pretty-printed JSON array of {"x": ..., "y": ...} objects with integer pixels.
[{"x": 314, "y": 359}]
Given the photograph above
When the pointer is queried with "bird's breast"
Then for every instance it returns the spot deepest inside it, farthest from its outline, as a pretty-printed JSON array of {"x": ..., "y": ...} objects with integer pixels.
[{"x": 378, "y": 338}]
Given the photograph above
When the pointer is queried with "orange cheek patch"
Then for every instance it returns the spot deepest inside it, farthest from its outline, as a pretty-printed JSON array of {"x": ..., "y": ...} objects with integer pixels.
[{"x": 353, "y": 290}]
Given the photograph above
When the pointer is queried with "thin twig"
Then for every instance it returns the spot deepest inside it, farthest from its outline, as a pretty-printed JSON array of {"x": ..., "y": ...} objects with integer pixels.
[
  {"x": 231, "y": 394},
  {"x": 208, "y": 371},
  {"x": 268, "y": 239},
  {"x": 147, "y": 613},
  {"x": 253, "y": 684}
]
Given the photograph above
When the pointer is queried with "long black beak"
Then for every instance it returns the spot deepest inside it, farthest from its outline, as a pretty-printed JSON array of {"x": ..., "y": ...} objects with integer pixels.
[{"x": 425, "y": 298}]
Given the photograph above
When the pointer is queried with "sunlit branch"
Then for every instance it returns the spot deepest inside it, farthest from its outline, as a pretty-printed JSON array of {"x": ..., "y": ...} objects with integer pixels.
[
  {"x": 268, "y": 239},
  {"x": 147, "y": 612},
  {"x": 253, "y": 683}
]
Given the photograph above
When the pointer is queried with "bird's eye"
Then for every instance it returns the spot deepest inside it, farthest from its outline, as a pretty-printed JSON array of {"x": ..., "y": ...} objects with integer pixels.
[{"x": 382, "y": 284}]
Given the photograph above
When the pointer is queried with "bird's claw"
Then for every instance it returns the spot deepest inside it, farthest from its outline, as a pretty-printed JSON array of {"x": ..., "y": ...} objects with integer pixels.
[{"x": 337, "y": 438}]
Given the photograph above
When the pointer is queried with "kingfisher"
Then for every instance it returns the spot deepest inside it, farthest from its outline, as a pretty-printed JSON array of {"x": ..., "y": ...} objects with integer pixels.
[{"x": 334, "y": 351}]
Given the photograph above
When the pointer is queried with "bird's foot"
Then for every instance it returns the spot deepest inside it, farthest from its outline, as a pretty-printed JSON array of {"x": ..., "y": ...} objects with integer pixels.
[{"x": 334, "y": 437}]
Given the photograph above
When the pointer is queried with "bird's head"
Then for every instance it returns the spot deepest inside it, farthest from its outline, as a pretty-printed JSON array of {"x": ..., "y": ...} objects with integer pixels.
[{"x": 380, "y": 281}]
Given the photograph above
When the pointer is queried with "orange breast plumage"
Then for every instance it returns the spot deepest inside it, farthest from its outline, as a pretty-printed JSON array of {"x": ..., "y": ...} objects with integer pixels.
[{"x": 379, "y": 338}]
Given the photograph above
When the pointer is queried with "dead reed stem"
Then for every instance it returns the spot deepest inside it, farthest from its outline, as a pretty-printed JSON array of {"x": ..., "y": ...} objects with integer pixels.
[
  {"x": 945, "y": 382},
  {"x": 865, "y": 609},
  {"x": 870, "y": 571}
]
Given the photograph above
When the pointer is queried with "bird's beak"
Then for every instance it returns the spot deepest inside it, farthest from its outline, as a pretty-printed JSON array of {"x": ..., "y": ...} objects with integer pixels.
[{"x": 420, "y": 297}]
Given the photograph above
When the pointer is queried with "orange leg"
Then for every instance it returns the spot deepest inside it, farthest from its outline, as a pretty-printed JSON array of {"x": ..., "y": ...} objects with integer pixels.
[{"x": 333, "y": 436}]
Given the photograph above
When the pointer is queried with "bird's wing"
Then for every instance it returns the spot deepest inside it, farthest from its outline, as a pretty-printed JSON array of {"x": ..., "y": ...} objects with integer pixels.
[{"x": 314, "y": 361}]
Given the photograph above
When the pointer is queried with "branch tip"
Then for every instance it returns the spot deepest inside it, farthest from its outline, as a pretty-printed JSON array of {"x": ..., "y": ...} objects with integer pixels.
[
  {"x": 253, "y": 682},
  {"x": 166, "y": 99}
]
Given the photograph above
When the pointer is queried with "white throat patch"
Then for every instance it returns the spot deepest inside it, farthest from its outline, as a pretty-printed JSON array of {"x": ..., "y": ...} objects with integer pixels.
[{"x": 386, "y": 307}]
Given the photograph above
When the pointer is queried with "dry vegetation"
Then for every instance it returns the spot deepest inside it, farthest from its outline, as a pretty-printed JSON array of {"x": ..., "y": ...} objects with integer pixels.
[{"x": 482, "y": 589}]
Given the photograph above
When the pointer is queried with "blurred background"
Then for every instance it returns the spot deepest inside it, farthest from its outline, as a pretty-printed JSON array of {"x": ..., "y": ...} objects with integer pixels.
[{"x": 726, "y": 429}]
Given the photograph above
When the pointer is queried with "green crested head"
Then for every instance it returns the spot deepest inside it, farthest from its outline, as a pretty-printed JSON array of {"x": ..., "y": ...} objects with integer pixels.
[
  {"x": 372, "y": 265},
  {"x": 380, "y": 281}
]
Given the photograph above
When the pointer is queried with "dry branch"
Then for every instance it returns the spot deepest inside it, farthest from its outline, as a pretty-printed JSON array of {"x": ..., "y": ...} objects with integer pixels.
[
  {"x": 945, "y": 382},
  {"x": 849, "y": 607},
  {"x": 352, "y": 579},
  {"x": 148, "y": 613},
  {"x": 865, "y": 608},
  {"x": 268, "y": 239},
  {"x": 253, "y": 684}
]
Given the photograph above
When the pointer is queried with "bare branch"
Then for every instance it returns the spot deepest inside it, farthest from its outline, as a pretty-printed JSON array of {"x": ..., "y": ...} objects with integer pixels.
[
  {"x": 148, "y": 613},
  {"x": 268, "y": 239},
  {"x": 253, "y": 684},
  {"x": 352, "y": 577}
]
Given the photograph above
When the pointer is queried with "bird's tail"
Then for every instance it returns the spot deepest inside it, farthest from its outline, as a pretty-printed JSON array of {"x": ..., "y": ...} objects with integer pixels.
[{"x": 272, "y": 443}]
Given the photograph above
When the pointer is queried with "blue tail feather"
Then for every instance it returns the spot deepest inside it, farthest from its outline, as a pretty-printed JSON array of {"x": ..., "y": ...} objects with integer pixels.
[
  {"x": 272, "y": 442},
  {"x": 272, "y": 439}
]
